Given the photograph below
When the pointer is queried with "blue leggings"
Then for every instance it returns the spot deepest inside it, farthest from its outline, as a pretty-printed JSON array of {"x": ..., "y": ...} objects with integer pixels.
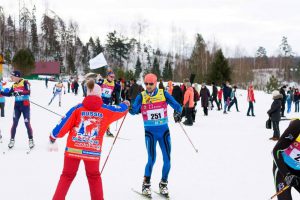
[
  {"x": 19, "y": 109},
  {"x": 164, "y": 140}
]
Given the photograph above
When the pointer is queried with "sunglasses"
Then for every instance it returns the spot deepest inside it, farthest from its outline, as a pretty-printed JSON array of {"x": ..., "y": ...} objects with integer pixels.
[
  {"x": 151, "y": 84},
  {"x": 112, "y": 76}
]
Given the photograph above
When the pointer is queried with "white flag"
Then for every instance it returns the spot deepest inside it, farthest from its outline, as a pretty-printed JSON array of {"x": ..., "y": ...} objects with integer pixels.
[{"x": 98, "y": 62}]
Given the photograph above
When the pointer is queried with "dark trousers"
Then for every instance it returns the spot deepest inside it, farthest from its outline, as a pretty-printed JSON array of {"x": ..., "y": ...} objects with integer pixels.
[
  {"x": 19, "y": 109},
  {"x": 282, "y": 108},
  {"x": 250, "y": 108},
  {"x": 276, "y": 132},
  {"x": 189, "y": 115},
  {"x": 214, "y": 99},
  {"x": 280, "y": 183},
  {"x": 220, "y": 103},
  {"x": 296, "y": 106},
  {"x": 194, "y": 113},
  {"x": 234, "y": 101},
  {"x": 205, "y": 110},
  {"x": 2, "y": 105}
]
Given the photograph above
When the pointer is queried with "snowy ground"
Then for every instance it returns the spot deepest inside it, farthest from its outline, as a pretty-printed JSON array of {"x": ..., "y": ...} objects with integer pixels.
[{"x": 234, "y": 160}]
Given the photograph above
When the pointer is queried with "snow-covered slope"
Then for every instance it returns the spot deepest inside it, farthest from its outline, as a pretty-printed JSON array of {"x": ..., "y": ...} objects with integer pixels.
[{"x": 234, "y": 160}]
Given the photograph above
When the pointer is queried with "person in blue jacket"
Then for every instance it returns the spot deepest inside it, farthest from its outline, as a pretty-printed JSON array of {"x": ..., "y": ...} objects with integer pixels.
[
  {"x": 21, "y": 90},
  {"x": 152, "y": 103}
]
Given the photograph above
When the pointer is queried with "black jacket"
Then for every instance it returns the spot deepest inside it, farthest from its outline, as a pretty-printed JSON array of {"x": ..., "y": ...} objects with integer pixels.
[
  {"x": 204, "y": 95},
  {"x": 282, "y": 91},
  {"x": 177, "y": 94},
  {"x": 274, "y": 111},
  {"x": 214, "y": 91},
  {"x": 287, "y": 138}
]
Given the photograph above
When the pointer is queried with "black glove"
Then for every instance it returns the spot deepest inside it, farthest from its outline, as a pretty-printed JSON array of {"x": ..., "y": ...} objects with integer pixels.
[
  {"x": 16, "y": 94},
  {"x": 292, "y": 180},
  {"x": 177, "y": 117}
]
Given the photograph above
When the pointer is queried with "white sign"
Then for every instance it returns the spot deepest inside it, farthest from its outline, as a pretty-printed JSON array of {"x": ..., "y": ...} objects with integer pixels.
[{"x": 98, "y": 62}]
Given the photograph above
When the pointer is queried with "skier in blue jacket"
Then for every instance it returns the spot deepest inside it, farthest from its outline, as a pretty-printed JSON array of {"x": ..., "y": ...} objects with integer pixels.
[{"x": 152, "y": 103}]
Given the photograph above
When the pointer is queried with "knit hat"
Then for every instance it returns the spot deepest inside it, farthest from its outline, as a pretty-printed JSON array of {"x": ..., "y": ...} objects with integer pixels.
[
  {"x": 16, "y": 73},
  {"x": 275, "y": 93},
  {"x": 150, "y": 78},
  {"x": 93, "y": 88}
]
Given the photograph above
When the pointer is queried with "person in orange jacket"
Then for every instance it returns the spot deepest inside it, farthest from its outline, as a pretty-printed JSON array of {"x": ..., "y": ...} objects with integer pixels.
[
  {"x": 85, "y": 124},
  {"x": 188, "y": 103}
]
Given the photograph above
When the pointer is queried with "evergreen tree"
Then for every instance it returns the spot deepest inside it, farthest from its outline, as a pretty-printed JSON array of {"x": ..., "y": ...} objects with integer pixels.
[
  {"x": 24, "y": 61},
  {"x": 199, "y": 59},
  {"x": 11, "y": 35},
  {"x": 261, "y": 58},
  {"x": 120, "y": 73},
  {"x": 7, "y": 57},
  {"x": 147, "y": 70},
  {"x": 118, "y": 48},
  {"x": 2, "y": 29},
  {"x": 34, "y": 36},
  {"x": 98, "y": 47},
  {"x": 50, "y": 37},
  {"x": 129, "y": 75},
  {"x": 71, "y": 64},
  {"x": 272, "y": 84},
  {"x": 155, "y": 68},
  {"x": 167, "y": 73},
  {"x": 138, "y": 69},
  {"x": 220, "y": 71}
]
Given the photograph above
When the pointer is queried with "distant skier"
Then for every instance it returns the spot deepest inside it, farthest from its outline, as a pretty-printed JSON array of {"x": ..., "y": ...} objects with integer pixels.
[
  {"x": 85, "y": 124},
  {"x": 286, "y": 166},
  {"x": 57, "y": 90},
  {"x": 21, "y": 90},
  {"x": 108, "y": 88},
  {"x": 152, "y": 103}
]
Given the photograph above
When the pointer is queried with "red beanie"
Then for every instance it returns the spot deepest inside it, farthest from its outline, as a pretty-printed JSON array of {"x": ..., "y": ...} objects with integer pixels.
[{"x": 150, "y": 78}]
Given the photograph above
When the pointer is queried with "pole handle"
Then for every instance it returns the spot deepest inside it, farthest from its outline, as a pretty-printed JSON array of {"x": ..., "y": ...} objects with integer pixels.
[{"x": 280, "y": 191}]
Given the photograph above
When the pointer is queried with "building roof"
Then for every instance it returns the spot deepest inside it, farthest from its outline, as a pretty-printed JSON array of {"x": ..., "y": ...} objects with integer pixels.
[{"x": 47, "y": 68}]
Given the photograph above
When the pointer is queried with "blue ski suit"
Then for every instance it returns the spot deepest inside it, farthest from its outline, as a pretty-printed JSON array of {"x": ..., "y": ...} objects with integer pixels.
[
  {"x": 21, "y": 91},
  {"x": 154, "y": 111}
]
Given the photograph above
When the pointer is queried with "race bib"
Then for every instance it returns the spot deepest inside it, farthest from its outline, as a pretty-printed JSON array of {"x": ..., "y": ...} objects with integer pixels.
[
  {"x": 155, "y": 114},
  {"x": 295, "y": 155},
  {"x": 106, "y": 92}
]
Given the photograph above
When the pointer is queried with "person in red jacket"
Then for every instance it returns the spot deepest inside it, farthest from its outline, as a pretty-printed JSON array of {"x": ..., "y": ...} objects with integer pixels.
[
  {"x": 220, "y": 94},
  {"x": 85, "y": 124},
  {"x": 251, "y": 100}
]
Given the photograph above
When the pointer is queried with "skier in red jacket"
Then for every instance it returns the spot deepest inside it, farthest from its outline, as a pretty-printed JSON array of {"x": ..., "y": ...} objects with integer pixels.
[{"x": 86, "y": 124}]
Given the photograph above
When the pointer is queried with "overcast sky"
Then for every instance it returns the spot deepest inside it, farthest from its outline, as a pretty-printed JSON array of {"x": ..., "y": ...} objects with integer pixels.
[{"x": 245, "y": 24}]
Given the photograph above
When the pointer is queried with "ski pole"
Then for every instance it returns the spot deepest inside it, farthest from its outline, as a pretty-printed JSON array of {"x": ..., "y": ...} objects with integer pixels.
[
  {"x": 46, "y": 108},
  {"x": 188, "y": 138},
  {"x": 280, "y": 191},
  {"x": 113, "y": 143}
]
